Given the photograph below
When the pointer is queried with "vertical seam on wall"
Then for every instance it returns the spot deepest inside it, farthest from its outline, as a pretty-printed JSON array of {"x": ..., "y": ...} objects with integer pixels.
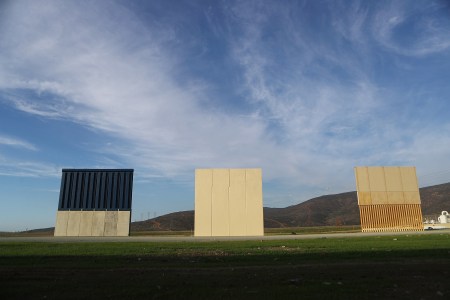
[
  {"x": 228, "y": 217},
  {"x": 211, "y": 201},
  {"x": 245, "y": 202}
]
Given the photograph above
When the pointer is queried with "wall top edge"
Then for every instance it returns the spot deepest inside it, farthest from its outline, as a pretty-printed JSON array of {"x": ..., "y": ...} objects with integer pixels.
[
  {"x": 96, "y": 209},
  {"x": 229, "y": 169},
  {"x": 98, "y": 170},
  {"x": 384, "y": 167}
]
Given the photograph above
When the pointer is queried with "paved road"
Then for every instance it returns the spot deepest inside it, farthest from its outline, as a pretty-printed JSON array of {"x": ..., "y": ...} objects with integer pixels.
[{"x": 209, "y": 239}]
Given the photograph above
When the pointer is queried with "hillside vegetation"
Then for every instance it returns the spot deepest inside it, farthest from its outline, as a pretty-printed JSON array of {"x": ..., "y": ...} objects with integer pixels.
[{"x": 329, "y": 210}]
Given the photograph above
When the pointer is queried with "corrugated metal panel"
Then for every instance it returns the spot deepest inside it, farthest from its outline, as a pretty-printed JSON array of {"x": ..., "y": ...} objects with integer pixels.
[{"x": 91, "y": 189}]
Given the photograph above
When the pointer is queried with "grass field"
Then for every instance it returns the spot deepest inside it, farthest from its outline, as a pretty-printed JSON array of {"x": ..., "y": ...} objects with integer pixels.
[
  {"x": 384, "y": 267},
  {"x": 267, "y": 231}
]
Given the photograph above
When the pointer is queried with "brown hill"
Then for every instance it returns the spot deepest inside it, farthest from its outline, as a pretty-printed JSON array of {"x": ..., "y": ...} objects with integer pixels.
[{"x": 332, "y": 210}]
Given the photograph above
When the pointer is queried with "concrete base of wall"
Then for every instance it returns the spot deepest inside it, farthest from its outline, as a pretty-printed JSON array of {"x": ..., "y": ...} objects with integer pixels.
[
  {"x": 123, "y": 223},
  {"x": 86, "y": 223},
  {"x": 98, "y": 223},
  {"x": 62, "y": 218},
  {"x": 73, "y": 226},
  {"x": 111, "y": 223},
  {"x": 92, "y": 223}
]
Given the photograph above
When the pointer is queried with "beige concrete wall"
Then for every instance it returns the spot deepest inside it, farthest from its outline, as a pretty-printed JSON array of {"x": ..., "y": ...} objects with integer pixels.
[
  {"x": 203, "y": 196},
  {"x": 73, "y": 226},
  {"x": 62, "y": 218},
  {"x": 92, "y": 223},
  {"x": 409, "y": 179},
  {"x": 376, "y": 179},
  {"x": 111, "y": 218},
  {"x": 388, "y": 198},
  {"x": 228, "y": 202},
  {"x": 387, "y": 185},
  {"x": 86, "y": 223},
  {"x": 255, "y": 218},
  {"x": 123, "y": 223},
  {"x": 98, "y": 223},
  {"x": 237, "y": 203},
  {"x": 219, "y": 203}
]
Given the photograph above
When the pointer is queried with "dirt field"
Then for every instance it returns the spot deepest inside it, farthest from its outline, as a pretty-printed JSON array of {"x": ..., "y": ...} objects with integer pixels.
[{"x": 387, "y": 267}]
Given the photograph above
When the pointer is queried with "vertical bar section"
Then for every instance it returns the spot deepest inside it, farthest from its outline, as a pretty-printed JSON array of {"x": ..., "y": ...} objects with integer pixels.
[
  {"x": 68, "y": 191},
  {"x": 61, "y": 204},
  {"x": 102, "y": 181},
  {"x": 120, "y": 190},
  {"x": 130, "y": 190},
  {"x": 75, "y": 191},
  {"x": 89, "y": 189}
]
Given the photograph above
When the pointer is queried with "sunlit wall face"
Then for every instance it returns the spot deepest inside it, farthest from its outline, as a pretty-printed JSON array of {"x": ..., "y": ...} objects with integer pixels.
[
  {"x": 388, "y": 198},
  {"x": 228, "y": 202}
]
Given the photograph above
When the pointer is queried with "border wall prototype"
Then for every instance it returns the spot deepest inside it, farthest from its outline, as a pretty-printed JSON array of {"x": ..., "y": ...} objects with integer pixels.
[
  {"x": 228, "y": 202},
  {"x": 388, "y": 199},
  {"x": 94, "y": 202}
]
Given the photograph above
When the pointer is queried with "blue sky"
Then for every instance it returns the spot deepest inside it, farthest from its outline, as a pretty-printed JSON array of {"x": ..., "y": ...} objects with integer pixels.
[{"x": 305, "y": 90}]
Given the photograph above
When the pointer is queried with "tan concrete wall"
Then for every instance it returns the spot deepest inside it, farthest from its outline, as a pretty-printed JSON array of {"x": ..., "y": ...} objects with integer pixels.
[
  {"x": 228, "y": 202},
  {"x": 376, "y": 179},
  {"x": 393, "y": 179},
  {"x": 387, "y": 185},
  {"x": 123, "y": 223},
  {"x": 92, "y": 223},
  {"x": 237, "y": 203},
  {"x": 203, "y": 196},
  {"x": 62, "y": 218},
  {"x": 409, "y": 179},
  {"x": 98, "y": 223},
  {"x": 111, "y": 218},
  {"x": 219, "y": 203},
  {"x": 388, "y": 198},
  {"x": 255, "y": 218},
  {"x": 86, "y": 223},
  {"x": 73, "y": 226}
]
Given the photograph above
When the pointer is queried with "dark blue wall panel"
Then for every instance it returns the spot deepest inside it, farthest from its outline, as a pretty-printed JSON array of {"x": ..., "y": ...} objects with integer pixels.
[{"x": 91, "y": 189}]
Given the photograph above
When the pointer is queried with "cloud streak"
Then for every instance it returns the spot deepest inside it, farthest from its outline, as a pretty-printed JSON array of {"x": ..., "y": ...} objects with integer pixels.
[
  {"x": 16, "y": 143},
  {"x": 303, "y": 106}
]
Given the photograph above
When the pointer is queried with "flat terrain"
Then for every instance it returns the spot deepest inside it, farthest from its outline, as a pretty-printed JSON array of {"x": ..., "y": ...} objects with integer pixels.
[{"x": 402, "y": 266}]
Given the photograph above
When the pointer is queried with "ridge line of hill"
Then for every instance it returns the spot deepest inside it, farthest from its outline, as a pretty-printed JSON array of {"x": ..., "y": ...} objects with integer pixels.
[{"x": 327, "y": 210}]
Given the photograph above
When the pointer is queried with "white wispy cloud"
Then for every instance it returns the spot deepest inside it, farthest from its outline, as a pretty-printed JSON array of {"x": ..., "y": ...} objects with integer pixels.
[
  {"x": 428, "y": 35},
  {"x": 20, "y": 168},
  {"x": 100, "y": 82},
  {"x": 312, "y": 104},
  {"x": 18, "y": 143}
]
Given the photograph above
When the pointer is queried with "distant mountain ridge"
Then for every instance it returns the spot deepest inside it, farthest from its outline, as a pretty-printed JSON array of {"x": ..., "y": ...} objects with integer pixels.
[{"x": 328, "y": 210}]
